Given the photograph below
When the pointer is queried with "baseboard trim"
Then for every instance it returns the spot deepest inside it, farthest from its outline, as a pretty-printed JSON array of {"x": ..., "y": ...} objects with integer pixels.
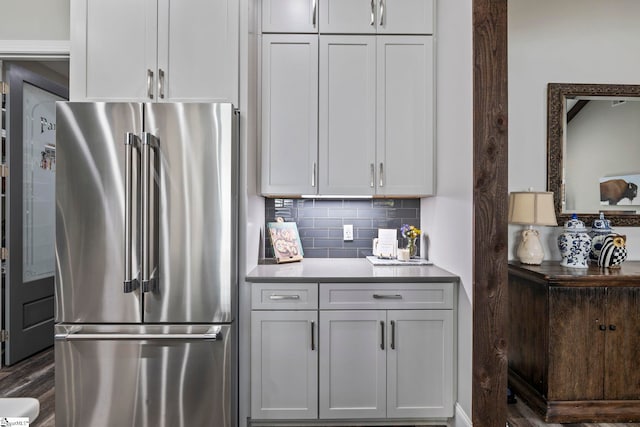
[{"x": 462, "y": 419}]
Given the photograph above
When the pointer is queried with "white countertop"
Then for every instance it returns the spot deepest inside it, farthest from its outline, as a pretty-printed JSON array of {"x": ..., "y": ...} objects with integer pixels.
[{"x": 346, "y": 270}]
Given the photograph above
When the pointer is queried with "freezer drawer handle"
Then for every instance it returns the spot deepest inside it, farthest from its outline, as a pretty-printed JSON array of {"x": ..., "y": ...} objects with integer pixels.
[
  {"x": 149, "y": 141},
  {"x": 131, "y": 142},
  {"x": 209, "y": 336}
]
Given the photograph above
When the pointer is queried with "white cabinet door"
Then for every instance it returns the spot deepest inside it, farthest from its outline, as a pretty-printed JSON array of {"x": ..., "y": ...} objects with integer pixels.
[
  {"x": 198, "y": 51},
  {"x": 347, "y": 115},
  {"x": 289, "y": 114},
  {"x": 289, "y": 16},
  {"x": 113, "y": 47},
  {"x": 376, "y": 16},
  {"x": 405, "y": 129},
  {"x": 352, "y": 364},
  {"x": 420, "y": 363},
  {"x": 284, "y": 365}
]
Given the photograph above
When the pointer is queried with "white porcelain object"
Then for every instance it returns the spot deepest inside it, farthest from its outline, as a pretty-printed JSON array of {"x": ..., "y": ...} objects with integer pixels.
[
  {"x": 530, "y": 249},
  {"x": 600, "y": 229},
  {"x": 20, "y": 407},
  {"x": 574, "y": 244}
]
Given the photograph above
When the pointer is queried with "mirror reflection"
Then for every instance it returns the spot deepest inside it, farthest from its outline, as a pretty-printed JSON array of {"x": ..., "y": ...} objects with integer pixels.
[{"x": 594, "y": 151}]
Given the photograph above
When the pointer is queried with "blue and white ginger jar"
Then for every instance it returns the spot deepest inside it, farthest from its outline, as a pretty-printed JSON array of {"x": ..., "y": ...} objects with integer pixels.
[
  {"x": 574, "y": 244},
  {"x": 613, "y": 252},
  {"x": 599, "y": 230}
]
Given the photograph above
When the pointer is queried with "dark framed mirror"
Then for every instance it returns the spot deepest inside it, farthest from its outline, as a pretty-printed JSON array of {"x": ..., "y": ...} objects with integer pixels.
[{"x": 593, "y": 151}]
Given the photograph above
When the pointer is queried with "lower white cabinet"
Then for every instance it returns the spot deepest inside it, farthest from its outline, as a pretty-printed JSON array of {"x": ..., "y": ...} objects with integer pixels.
[
  {"x": 284, "y": 365},
  {"x": 393, "y": 364},
  {"x": 369, "y": 351}
]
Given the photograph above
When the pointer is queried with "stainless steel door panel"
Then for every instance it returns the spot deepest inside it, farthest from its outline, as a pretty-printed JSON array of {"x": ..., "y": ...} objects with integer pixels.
[
  {"x": 196, "y": 213},
  {"x": 90, "y": 194},
  {"x": 150, "y": 382}
]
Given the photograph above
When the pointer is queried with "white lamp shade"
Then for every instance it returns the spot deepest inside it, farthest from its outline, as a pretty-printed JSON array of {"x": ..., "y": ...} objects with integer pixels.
[{"x": 532, "y": 208}]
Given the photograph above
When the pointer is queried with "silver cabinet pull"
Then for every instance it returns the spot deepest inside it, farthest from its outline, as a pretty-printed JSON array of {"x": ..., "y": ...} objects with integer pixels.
[
  {"x": 161, "y": 83},
  {"x": 315, "y": 11},
  {"x": 387, "y": 296},
  {"x": 382, "y": 335},
  {"x": 149, "y": 141},
  {"x": 313, "y": 175},
  {"x": 313, "y": 335},
  {"x": 372, "y": 183},
  {"x": 131, "y": 142},
  {"x": 381, "y": 13},
  {"x": 373, "y": 13},
  {"x": 150, "y": 84},
  {"x": 393, "y": 335},
  {"x": 381, "y": 175},
  {"x": 283, "y": 297}
]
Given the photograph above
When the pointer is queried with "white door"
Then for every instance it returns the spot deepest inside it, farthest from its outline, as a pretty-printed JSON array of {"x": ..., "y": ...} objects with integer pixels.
[
  {"x": 113, "y": 49},
  {"x": 405, "y": 127},
  {"x": 289, "y": 114},
  {"x": 420, "y": 363},
  {"x": 405, "y": 16},
  {"x": 347, "y": 115},
  {"x": 352, "y": 364},
  {"x": 284, "y": 365},
  {"x": 198, "y": 51},
  {"x": 290, "y": 16},
  {"x": 348, "y": 16}
]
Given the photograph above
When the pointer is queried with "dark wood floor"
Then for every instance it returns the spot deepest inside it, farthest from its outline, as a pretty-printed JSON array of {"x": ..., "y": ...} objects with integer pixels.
[{"x": 34, "y": 377}]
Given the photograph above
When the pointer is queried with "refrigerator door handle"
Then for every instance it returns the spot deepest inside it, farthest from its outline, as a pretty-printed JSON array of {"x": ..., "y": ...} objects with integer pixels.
[
  {"x": 131, "y": 142},
  {"x": 149, "y": 141},
  {"x": 213, "y": 334}
]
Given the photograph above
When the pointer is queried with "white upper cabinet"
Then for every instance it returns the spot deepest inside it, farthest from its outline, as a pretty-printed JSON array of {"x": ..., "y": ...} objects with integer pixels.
[
  {"x": 289, "y": 114},
  {"x": 405, "y": 129},
  {"x": 289, "y": 16},
  {"x": 154, "y": 50},
  {"x": 376, "y": 16}
]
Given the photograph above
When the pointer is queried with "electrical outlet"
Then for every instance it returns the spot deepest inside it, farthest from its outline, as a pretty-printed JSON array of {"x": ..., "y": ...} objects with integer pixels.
[{"x": 347, "y": 232}]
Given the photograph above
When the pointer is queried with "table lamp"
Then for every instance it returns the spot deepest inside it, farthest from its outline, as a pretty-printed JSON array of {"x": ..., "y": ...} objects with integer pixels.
[{"x": 531, "y": 208}]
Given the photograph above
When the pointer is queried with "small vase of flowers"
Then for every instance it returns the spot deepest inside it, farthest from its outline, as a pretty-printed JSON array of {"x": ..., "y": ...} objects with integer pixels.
[{"x": 410, "y": 233}]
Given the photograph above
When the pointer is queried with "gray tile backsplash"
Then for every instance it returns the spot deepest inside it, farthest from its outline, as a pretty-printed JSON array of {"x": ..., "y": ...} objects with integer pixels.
[{"x": 320, "y": 223}]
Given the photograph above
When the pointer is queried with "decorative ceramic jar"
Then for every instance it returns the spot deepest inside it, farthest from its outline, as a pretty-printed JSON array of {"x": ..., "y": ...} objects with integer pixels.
[
  {"x": 574, "y": 244},
  {"x": 613, "y": 252},
  {"x": 599, "y": 230}
]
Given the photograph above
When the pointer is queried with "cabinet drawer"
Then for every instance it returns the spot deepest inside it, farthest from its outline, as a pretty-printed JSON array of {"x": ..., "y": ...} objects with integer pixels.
[
  {"x": 284, "y": 296},
  {"x": 401, "y": 296}
]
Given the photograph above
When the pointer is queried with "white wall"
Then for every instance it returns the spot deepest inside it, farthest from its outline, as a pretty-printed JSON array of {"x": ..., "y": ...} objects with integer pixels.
[
  {"x": 571, "y": 41},
  {"x": 448, "y": 218}
]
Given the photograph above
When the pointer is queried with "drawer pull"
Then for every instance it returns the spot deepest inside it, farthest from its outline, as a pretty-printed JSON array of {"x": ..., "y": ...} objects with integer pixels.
[
  {"x": 281, "y": 297},
  {"x": 396, "y": 296}
]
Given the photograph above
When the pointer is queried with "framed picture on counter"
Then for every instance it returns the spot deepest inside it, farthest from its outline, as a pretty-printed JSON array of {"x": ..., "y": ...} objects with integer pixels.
[{"x": 285, "y": 241}]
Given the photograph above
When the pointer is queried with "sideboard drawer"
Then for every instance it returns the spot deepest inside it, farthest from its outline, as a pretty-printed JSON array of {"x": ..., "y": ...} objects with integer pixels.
[
  {"x": 395, "y": 296},
  {"x": 284, "y": 296}
]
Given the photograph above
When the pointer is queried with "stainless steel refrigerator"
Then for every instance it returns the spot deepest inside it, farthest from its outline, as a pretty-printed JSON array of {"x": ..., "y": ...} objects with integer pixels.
[{"x": 146, "y": 264}]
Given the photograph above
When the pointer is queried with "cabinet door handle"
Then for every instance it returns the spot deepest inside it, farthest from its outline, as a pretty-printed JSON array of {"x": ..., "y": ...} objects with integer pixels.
[
  {"x": 612, "y": 327},
  {"x": 313, "y": 335},
  {"x": 313, "y": 175},
  {"x": 603, "y": 327},
  {"x": 283, "y": 297},
  {"x": 150, "y": 84},
  {"x": 393, "y": 335},
  {"x": 381, "y": 13},
  {"x": 381, "y": 296},
  {"x": 382, "y": 335},
  {"x": 381, "y": 175},
  {"x": 373, "y": 13},
  {"x": 373, "y": 176},
  {"x": 161, "y": 83},
  {"x": 315, "y": 9}
]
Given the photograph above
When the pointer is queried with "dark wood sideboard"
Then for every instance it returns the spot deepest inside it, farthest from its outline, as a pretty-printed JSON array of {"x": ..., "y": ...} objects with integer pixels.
[{"x": 574, "y": 341}]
